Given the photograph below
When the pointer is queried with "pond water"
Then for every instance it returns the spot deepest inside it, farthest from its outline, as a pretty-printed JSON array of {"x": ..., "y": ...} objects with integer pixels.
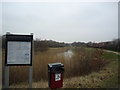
[{"x": 68, "y": 54}]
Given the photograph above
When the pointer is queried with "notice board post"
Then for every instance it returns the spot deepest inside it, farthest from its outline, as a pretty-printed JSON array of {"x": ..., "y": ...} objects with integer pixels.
[
  {"x": 6, "y": 80},
  {"x": 19, "y": 50},
  {"x": 31, "y": 68},
  {"x": 6, "y": 73}
]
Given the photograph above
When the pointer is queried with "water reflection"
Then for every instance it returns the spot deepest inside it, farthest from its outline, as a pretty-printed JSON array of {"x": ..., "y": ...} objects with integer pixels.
[{"x": 68, "y": 54}]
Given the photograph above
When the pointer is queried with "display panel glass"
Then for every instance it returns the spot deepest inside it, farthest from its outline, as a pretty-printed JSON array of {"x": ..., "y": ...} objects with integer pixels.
[{"x": 18, "y": 52}]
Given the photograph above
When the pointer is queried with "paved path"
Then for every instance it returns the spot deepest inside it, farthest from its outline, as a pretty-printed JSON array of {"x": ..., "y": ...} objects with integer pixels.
[{"x": 112, "y": 52}]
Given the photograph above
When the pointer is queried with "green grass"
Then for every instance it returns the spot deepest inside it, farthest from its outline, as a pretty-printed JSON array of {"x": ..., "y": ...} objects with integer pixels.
[
  {"x": 110, "y": 56},
  {"x": 106, "y": 55},
  {"x": 111, "y": 82},
  {"x": 113, "y": 66},
  {"x": 90, "y": 49}
]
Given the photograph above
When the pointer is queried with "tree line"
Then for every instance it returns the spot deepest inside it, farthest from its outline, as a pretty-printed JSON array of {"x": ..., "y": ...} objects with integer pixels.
[
  {"x": 40, "y": 45},
  {"x": 113, "y": 45},
  {"x": 43, "y": 45}
]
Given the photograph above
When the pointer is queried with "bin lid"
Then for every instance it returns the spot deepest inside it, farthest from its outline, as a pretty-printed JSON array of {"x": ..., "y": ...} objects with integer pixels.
[{"x": 55, "y": 64}]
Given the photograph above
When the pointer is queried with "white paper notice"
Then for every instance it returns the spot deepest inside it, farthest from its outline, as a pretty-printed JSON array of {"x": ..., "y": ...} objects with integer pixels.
[
  {"x": 57, "y": 76},
  {"x": 18, "y": 52}
]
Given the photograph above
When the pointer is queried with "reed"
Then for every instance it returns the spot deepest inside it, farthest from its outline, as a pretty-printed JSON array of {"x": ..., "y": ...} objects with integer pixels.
[{"x": 82, "y": 62}]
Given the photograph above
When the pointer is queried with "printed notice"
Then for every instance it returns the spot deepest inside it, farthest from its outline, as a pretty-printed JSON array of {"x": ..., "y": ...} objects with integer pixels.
[
  {"x": 18, "y": 52},
  {"x": 57, "y": 77}
]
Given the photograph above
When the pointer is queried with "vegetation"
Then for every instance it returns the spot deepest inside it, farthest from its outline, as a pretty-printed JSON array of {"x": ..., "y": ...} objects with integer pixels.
[
  {"x": 43, "y": 45},
  {"x": 40, "y": 45},
  {"x": 114, "y": 45},
  {"x": 107, "y": 77},
  {"x": 88, "y": 67},
  {"x": 82, "y": 63}
]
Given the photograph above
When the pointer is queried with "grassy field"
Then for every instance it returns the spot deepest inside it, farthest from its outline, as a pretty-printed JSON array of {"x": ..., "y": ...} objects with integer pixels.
[{"x": 88, "y": 68}]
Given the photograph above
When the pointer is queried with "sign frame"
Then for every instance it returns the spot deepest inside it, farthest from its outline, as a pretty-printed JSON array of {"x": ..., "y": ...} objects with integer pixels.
[{"x": 18, "y": 38}]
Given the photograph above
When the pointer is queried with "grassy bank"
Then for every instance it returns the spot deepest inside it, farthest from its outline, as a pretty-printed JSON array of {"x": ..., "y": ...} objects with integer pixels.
[
  {"x": 86, "y": 68},
  {"x": 81, "y": 63},
  {"x": 107, "y": 77}
]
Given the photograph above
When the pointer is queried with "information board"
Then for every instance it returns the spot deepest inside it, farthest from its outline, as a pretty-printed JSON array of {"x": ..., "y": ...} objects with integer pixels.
[{"x": 18, "y": 50}]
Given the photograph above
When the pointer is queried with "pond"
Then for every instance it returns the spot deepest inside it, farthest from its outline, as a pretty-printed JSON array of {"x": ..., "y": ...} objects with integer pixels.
[{"x": 68, "y": 54}]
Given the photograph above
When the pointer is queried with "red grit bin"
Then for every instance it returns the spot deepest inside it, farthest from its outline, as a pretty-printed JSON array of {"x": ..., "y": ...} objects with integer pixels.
[{"x": 55, "y": 75}]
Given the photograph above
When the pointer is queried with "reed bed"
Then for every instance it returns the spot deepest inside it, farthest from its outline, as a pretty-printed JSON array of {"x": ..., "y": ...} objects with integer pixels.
[{"x": 81, "y": 63}]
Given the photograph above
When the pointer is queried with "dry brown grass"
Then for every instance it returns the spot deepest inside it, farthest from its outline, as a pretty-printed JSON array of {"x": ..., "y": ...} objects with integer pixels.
[
  {"x": 41, "y": 59},
  {"x": 93, "y": 80},
  {"x": 40, "y": 84},
  {"x": 82, "y": 63}
]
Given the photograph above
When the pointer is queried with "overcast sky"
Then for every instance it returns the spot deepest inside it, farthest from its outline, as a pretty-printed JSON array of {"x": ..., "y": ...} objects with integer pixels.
[{"x": 62, "y": 21}]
